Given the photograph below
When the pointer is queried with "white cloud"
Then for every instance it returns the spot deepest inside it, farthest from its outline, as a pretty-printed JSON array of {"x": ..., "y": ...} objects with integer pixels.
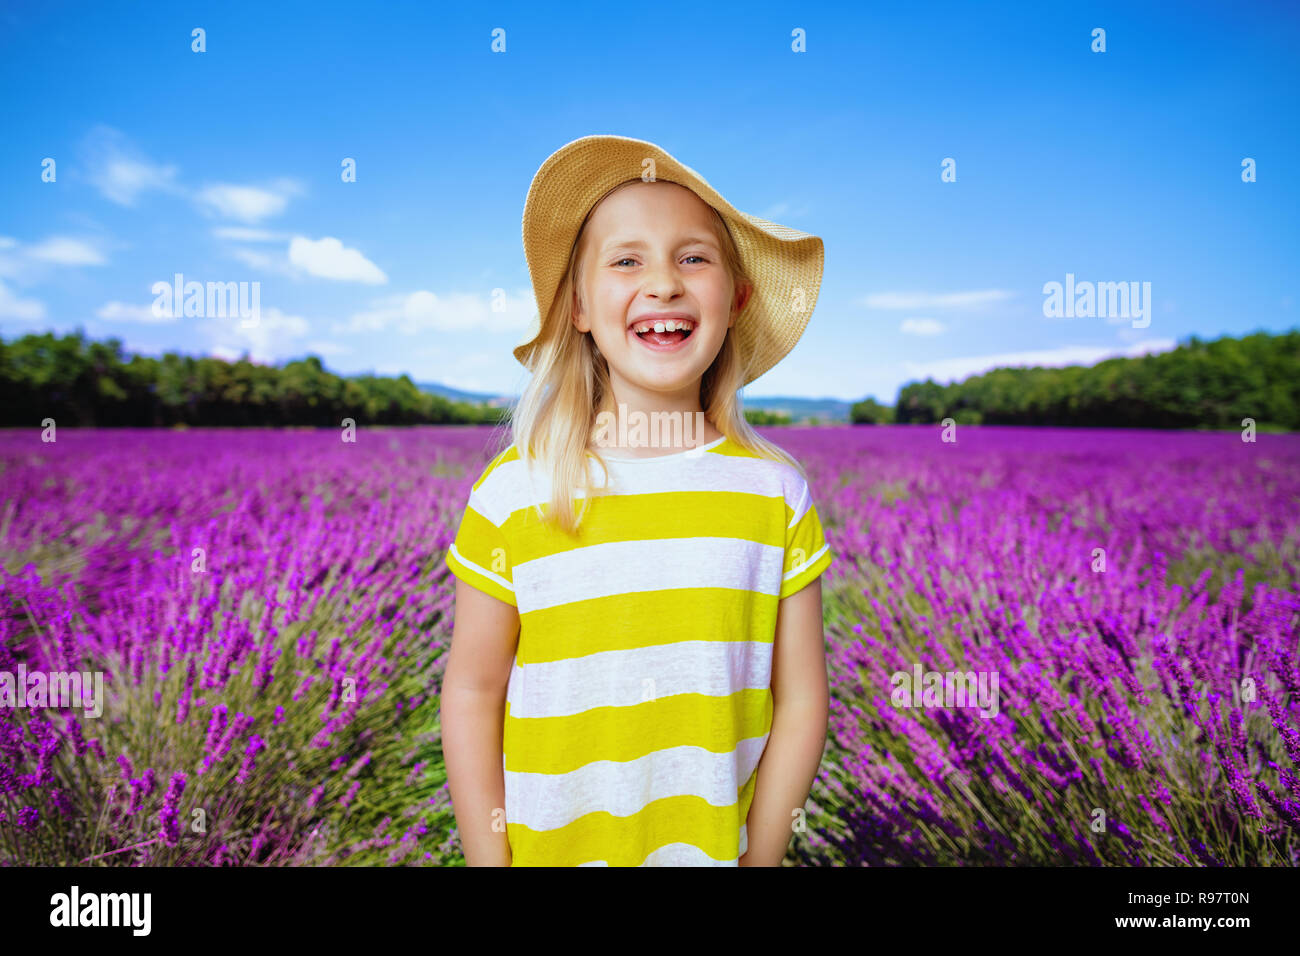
[
  {"x": 953, "y": 369},
  {"x": 32, "y": 263},
  {"x": 65, "y": 251},
  {"x": 124, "y": 312},
  {"x": 249, "y": 204},
  {"x": 119, "y": 171},
  {"x": 244, "y": 234},
  {"x": 275, "y": 337},
  {"x": 265, "y": 261},
  {"x": 12, "y": 307},
  {"x": 922, "y": 327},
  {"x": 122, "y": 180},
  {"x": 328, "y": 258},
  {"x": 122, "y": 173},
  {"x": 935, "y": 300},
  {"x": 425, "y": 311}
]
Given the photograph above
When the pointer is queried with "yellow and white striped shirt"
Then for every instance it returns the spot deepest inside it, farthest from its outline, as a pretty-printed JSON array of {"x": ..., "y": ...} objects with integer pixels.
[{"x": 640, "y": 700}]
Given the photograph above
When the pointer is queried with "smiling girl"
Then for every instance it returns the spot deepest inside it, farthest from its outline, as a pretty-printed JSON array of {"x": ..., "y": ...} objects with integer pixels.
[{"x": 637, "y": 674}]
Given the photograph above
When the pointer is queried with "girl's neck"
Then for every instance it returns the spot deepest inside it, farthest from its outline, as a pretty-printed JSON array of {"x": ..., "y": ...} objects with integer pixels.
[{"x": 649, "y": 433}]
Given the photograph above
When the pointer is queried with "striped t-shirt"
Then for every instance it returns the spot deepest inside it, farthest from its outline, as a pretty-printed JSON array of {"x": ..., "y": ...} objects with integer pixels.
[{"x": 640, "y": 701}]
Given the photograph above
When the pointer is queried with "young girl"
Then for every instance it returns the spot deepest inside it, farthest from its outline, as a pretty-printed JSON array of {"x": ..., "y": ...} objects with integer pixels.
[{"x": 637, "y": 674}]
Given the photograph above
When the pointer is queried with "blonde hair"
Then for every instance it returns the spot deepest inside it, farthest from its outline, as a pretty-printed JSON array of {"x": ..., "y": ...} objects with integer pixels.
[{"x": 554, "y": 422}]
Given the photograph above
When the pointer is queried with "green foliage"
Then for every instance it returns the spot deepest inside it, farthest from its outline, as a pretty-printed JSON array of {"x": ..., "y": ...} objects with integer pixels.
[
  {"x": 85, "y": 383},
  {"x": 870, "y": 412},
  {"x": 757, "y": 416},
  {"x": 1200, "y": 384}
]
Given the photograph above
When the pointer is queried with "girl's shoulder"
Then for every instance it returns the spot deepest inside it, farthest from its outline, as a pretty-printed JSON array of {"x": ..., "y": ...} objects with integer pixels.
[
  {"x": 495, "y": 493},
  {"x": 764, "y": 473},
  {"x": 499, "y": 466}
]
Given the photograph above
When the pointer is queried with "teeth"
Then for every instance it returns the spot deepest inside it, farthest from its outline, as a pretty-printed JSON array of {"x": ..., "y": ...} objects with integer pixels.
[{"x": 668, "y": 325}]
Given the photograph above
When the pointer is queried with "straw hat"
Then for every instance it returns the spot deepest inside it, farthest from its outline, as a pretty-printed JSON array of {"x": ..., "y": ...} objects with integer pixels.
[{"x": 785, "y": 264}]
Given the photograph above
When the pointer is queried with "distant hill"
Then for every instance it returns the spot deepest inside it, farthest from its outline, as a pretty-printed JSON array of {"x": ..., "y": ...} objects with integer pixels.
[
  {"x": 799, "y": 409},
  {"x": 458, "y": 395}
]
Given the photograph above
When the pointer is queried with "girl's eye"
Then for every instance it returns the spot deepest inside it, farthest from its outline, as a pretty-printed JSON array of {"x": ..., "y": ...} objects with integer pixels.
[{"x": 629, "y": 259}]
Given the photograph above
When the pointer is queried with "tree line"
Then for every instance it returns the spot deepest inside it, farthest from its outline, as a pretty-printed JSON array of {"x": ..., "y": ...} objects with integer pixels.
[
  {"x": 81, "y": 382},
  {"x": 1200, "y": 384}
]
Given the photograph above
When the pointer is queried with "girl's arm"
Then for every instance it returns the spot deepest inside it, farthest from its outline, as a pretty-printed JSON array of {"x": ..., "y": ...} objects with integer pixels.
[
  {"x": 800, "y": 714},
  {"x": 472, "y": 714}
]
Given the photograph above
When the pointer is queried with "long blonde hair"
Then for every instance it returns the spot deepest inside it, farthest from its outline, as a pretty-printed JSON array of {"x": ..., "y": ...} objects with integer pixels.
[{"x": 554, "y": 422}]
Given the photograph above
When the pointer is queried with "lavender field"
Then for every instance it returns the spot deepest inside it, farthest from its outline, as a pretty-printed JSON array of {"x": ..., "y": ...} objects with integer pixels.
[{"x": 271, "y": 614}]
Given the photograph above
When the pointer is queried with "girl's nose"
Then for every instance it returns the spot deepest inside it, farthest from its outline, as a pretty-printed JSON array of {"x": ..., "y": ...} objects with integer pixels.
[{"x": 663, "y": 281}]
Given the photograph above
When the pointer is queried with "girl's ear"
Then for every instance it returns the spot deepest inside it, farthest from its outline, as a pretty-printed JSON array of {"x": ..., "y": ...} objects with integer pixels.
[
  {"x": 741, "y": 298},
  {"x": 579, "y": 320}
]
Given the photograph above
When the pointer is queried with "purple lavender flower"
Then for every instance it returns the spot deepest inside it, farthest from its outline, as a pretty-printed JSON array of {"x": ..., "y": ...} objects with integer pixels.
[
  {"x": 171, "y": 808},
  {"x": 255, "y": 744}
]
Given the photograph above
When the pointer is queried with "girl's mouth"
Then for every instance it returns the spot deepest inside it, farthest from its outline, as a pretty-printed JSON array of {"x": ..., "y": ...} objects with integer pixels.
[{"x": 662, "y": 341}]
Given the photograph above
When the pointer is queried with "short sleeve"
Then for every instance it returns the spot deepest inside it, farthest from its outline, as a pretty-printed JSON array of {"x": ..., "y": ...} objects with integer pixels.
[
  {"x": 806, "y": 552},
  {"x": 480, "y": 555}
]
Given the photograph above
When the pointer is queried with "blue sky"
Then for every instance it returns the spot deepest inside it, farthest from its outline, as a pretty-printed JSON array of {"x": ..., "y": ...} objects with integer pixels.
[{"x": 1122, "y": 166}]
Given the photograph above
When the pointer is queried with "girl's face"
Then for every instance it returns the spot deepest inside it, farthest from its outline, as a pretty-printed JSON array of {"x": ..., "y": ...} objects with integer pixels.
[{"x": 650, "y": 250}]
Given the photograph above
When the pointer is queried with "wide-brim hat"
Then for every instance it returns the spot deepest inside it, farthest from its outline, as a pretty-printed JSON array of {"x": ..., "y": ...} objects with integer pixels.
[{"x": 784, "y": 264}]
